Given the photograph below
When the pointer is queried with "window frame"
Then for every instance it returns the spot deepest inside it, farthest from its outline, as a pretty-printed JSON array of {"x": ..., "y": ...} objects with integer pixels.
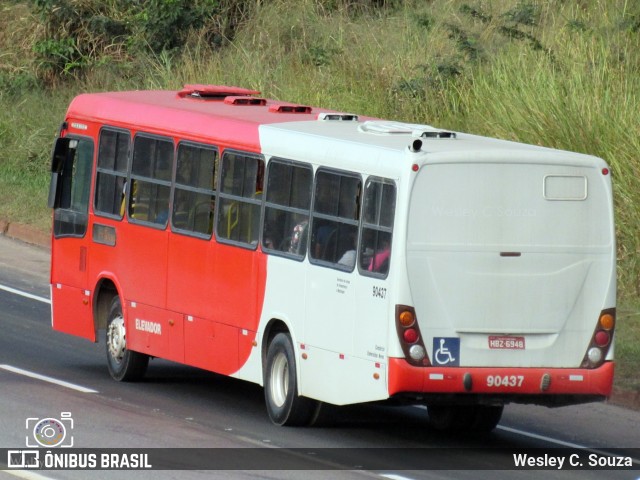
[
  {"x": 115, "y": 173},
  {"x": 245, "y": 200},
  {"x": 59, "y": 211},
  {"x": 283, "y": 208},
  {"x": 378, "y": 228},
  {"x": 175, "y": 185},
  {"x": 164, "y": 183},
  {"x": 342, "y": 220}
]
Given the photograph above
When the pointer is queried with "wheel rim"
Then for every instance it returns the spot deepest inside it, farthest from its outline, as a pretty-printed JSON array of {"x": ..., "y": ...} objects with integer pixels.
[
  {"x": 279, "y": 379},
  {"x": 116, "y": 339}
]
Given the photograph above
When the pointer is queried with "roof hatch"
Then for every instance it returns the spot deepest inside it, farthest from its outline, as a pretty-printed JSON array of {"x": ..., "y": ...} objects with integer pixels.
[{"x": 397, "y": 128}]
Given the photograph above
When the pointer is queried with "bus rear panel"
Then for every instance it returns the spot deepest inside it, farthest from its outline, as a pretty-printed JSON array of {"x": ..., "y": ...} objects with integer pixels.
[{"x": 511, "y": 270}]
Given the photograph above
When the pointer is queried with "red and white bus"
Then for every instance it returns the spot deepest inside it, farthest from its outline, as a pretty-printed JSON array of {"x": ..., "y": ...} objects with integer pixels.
[{"x": 330, "y": 257}]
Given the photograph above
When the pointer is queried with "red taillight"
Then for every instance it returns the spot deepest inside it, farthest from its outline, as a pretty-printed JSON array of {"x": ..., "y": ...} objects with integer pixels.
[
  {"x": 602, "y": 338},
  {"x": 410, "y": 335}
]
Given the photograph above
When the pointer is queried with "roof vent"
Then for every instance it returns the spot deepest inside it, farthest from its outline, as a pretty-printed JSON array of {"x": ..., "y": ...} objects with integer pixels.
[
  {"x": 214, "y": 92},
  {"x": 398, "y": 128},
  {"x": 235, "y": 100},
  {"x": 339, "y": 117},
  {"x": 289, "y": 108},
  {"x": 438, "y": 134}
]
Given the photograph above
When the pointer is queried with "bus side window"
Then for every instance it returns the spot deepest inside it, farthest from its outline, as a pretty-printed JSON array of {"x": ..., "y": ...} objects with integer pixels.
[
  {"x": 287, "y": 208},
  {"x": 71, "y": 173},
  {"x": 150, "y": 180},
  {"x": 195, "y": 191},
  {"x": 240, "y": 198},
  {"x": 377, "y": 226},
  {"x": 113, "y": 154},
  {"x": 335, "y": 218}
]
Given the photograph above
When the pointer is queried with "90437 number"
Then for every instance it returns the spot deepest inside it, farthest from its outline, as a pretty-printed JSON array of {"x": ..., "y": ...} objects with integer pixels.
[{"x": 505, "y": 380}]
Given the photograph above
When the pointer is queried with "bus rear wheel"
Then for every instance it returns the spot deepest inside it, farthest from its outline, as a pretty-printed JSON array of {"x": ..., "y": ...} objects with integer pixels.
[
  {"x": 284, "y": 405},
  {"x": 124, "y": 365}
]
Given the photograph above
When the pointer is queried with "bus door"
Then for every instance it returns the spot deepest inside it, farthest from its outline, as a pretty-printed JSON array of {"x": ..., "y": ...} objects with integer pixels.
[
  {"x": 69, "y": 197},
  {"x": 238, "y": 283},
  {"x": 331, "y": 283},
  {"x": 191, "y": 258}
]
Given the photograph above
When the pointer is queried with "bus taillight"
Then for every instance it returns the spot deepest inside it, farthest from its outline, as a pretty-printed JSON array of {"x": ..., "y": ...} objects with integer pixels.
[
  {"x": 601, "y": 340},
  {"x": 410, "y": 337}
]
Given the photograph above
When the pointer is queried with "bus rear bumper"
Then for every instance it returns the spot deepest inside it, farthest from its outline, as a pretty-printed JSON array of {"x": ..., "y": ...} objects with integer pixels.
[{"x": 543, "y": 386}]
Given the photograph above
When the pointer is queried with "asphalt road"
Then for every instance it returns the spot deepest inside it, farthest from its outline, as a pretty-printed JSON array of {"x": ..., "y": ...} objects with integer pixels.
[{"x": 181, "y": 407}]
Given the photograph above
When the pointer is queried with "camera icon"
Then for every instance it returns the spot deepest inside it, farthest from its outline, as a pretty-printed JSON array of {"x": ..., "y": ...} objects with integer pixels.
[{"x": 50, "y": 432}]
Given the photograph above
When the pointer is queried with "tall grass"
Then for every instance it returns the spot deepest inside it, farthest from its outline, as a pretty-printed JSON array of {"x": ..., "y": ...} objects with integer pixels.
[{"x": 557, "y": 73}]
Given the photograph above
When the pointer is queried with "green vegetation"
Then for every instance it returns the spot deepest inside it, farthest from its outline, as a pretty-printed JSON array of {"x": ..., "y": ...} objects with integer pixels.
[
  {"x": 558, "y": 73},
  {"x": 627, "y": 348}
]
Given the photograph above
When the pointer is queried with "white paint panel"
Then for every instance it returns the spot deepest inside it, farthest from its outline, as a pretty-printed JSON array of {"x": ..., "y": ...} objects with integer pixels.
[{"x": 488, "y": 254}]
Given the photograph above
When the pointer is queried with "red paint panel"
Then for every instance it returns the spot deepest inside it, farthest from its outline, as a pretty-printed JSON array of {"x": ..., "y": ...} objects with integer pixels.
[
  {"x": 71, "y": 310},
  {"x": 141, "y": 264},
  {"x": 189, "y": 272},
  {"x": 406, "y": 378},
  {"x": 212, "y": 346},
  {"x": 237, "y": 277},
  {"x": 154, "y": 331},
  {"x": 152, "y": 340},
  {"x": 68, "y": 261}
]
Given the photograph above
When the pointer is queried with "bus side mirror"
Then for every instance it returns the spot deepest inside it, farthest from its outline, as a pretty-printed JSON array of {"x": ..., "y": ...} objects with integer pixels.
[{"x": 58, "y": 160}]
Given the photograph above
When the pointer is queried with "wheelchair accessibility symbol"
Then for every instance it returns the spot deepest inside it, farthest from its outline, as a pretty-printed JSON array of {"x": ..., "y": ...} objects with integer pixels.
[{"x": 446, "y": 351}]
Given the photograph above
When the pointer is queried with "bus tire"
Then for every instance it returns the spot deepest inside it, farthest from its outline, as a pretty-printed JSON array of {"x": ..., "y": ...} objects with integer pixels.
[
  {"x": 486, "y": 418},
  {"x": 284, "y": 406},
  {"x": 465, "y": 418},
  {"x": 451, "y": 418},
  {"x": 124, "y": 365}
]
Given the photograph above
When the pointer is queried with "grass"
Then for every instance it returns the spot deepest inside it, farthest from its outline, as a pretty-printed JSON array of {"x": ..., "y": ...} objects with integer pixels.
[
  {"x": 627, "y": 347},
  {"x": 556, "y": 73}
]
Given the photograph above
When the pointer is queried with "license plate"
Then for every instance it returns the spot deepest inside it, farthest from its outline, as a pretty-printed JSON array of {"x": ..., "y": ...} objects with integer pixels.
[{"x": 506, "y": 343}]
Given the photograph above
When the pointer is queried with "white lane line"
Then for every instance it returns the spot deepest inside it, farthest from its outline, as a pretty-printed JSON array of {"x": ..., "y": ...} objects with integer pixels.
[
  {"x": 393, "y": 476},
  {"x": 27, "y": 475},
  {"x": 541, "y": 437},
  {"x": 25, "y": 294},
  {"x": 44, "y": 378}
]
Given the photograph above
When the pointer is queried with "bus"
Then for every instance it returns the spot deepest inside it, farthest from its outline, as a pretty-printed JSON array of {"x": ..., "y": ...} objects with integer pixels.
[{"x": 331, "y": 257}]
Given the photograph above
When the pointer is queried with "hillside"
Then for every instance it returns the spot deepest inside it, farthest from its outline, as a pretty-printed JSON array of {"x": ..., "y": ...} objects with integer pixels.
[{"x": 560, "y": 73}]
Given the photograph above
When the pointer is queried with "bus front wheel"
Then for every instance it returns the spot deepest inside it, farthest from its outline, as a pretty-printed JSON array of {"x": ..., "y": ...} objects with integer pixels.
[
  {"x": 284, "y": 405},
  {"x": 124, "y": 365}
]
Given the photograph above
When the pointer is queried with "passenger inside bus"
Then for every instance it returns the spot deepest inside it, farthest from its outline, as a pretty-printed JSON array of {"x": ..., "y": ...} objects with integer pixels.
[{"x": 348, "y": 258}]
